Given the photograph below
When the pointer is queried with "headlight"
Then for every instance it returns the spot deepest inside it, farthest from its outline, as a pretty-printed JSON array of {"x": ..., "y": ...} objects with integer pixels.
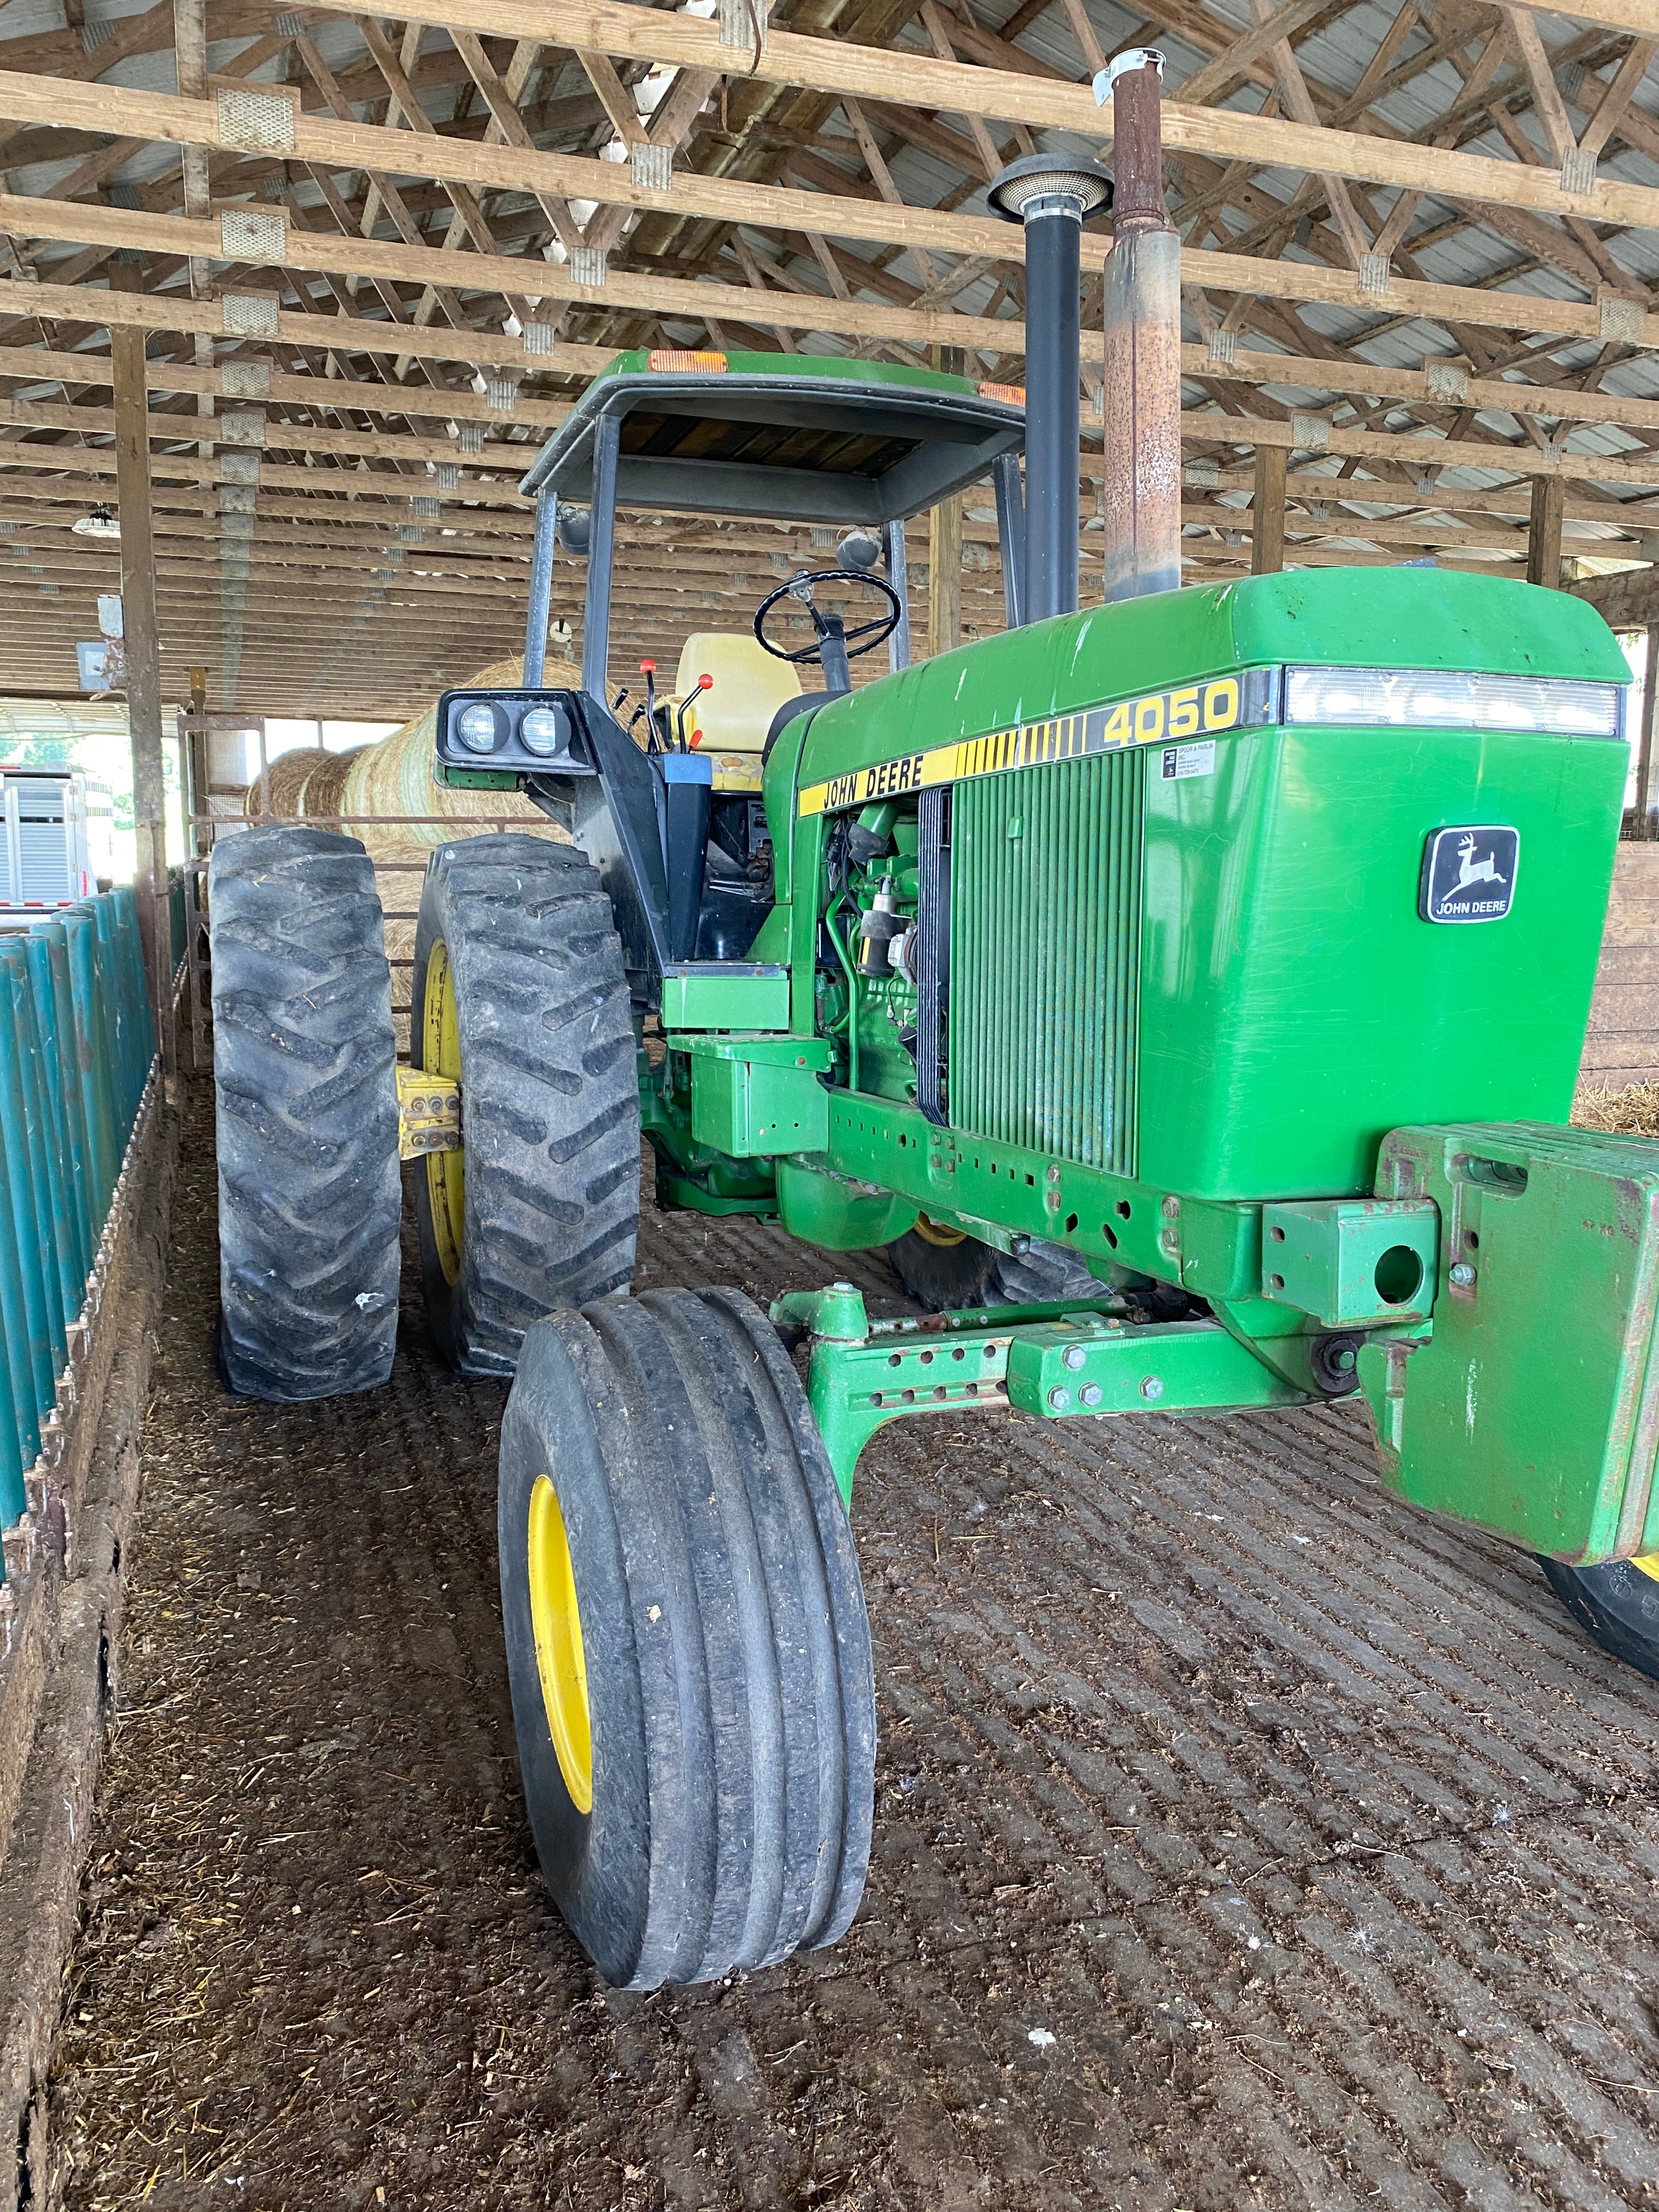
[
  {"x": 476, "y": 728},
  {"x": 1428, "y": 699},
  {"x": 542, "y": 731}
]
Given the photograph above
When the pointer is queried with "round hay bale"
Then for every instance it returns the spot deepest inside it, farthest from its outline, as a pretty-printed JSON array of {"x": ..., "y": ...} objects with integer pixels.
[
  {"x": 276, "y": 791},
  {"x": 323, "y": 791},
  {"x": 394, "y": 777}
]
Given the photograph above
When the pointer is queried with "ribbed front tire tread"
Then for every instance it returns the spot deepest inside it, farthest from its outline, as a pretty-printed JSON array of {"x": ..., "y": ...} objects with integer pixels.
[
  {"x": 728, "y": 1645},
  {"x": 303, "y": 1066}
]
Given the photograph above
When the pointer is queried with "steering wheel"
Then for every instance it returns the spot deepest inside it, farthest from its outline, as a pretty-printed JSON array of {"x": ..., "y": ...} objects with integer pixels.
[{"x": 831, "y": 629}]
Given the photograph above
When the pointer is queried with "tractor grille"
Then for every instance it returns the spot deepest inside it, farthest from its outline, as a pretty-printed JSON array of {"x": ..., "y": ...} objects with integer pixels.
[{"x": 1045, "y": 940}]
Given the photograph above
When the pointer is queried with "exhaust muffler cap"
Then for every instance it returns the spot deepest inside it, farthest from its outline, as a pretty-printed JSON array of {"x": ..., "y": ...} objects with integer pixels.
[{"x": 1049, "y": 176}]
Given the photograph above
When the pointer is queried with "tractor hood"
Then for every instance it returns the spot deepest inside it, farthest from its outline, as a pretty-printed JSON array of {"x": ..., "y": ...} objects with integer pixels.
[
  {"x": 1371, "y": 619},
  {"x": 1241, "y": 877}
]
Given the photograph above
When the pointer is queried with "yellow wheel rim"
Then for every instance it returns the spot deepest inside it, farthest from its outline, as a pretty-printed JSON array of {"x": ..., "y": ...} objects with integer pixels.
[
  {"x": 441, "y": 1055},
  {"x": 935, "y": 1232},
  {"x": 1649, "y": 1564},
  {"x": 559, "y": 1659}
]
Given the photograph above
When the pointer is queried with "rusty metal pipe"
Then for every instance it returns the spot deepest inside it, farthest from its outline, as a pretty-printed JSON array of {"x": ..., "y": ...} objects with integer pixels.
[{"x": 1141, "y": 398}]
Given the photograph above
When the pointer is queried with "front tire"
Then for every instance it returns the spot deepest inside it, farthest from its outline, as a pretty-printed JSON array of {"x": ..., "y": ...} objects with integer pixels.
[
  {"x": 303, "y": 1069},
  {"x": 1618, "y": 1604},
  {"x": 687, "y": 1642},
  {"x": 518, "y": 991}
]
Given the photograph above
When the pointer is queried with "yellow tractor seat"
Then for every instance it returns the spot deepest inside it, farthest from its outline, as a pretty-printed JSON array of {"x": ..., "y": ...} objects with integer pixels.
[{"x": 730, "y": 719}]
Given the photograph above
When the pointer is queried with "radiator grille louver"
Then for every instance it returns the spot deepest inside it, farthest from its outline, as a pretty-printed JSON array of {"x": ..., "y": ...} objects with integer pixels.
[{"x": 1045, "y": 938}]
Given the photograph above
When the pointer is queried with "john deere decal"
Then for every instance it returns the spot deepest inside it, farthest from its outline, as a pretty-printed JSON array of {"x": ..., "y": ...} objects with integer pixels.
[
  {"x": 1468, "y": 875},
  {"x": 1194, "y": 711}
]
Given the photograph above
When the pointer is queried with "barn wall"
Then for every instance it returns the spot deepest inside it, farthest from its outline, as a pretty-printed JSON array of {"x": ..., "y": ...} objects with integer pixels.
[{"x": 1623, "y": 1044}]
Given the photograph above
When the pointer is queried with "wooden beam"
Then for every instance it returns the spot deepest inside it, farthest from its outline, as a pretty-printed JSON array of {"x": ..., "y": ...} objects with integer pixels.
[
  {"x": 82, "y": 222},
  {"x": 1421, "y": 451},
  {"x": 1212, "y": 79},
  {"x": 838, "y": 65},
  {"x": 1199, "y": 428},
  {"x": 1318, "y": 373},
  {"x": 1544, "y": 533},
  {"x": 1628, "y": 601},
  {"x": 362, "y": 485},
  {"x": 298, "y": 437},
  {"x": 1644, "y": 750},
  {"x": 1267, "y": 511},
  {"x": 1641, "y": 16},
  {"x": 345, "y": 334},
  {"x": 144, "y": 687},
  {"x": 44, "y": 364},
  {"x": 343, "y": 145}
]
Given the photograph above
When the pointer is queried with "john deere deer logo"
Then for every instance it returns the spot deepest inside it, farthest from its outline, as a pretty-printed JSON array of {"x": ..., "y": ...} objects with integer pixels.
[{"x": 1471, "y": 871}]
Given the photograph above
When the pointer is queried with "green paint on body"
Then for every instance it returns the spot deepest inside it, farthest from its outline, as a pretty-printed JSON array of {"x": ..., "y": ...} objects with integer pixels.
[
  {"x": 1532, "y": 1407},
  {"x": 636, "y": 362},
  {"x": 1182, "y": 995}
]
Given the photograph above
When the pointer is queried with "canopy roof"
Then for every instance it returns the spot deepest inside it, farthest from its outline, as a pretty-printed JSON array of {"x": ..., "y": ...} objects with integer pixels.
[{"x": 818, "y": 440}]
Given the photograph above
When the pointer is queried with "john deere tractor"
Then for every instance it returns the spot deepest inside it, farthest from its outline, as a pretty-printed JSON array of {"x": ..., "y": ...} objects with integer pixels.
[{"x": 1216, "y": 959}]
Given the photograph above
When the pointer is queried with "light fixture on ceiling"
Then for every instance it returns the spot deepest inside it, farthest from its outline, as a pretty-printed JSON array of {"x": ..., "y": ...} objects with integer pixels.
[{"x": 100, "y": 523}]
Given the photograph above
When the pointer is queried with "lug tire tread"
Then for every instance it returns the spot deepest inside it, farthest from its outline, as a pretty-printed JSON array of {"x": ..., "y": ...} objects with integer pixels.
[
  {"x": 549, "y": 1099},
  {"x": 303, "y": 1063}
]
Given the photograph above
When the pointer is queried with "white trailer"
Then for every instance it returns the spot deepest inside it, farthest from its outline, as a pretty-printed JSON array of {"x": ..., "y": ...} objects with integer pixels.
[{"x": 45, "y": 856}]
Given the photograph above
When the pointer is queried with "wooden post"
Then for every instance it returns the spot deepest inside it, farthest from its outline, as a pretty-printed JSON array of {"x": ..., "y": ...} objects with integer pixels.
[
  {"x": 945, "y": 576},
  {"x": 1267, "y": 511},
  {"x": 191, "y": 63},
  {"x": 1643, "y": 825},
  {"x": 143, "y": 656},
  {"x": 1549, "y": 501},
  {"x": 945, "y": 545},
  {"x": 194, "y": 762}
]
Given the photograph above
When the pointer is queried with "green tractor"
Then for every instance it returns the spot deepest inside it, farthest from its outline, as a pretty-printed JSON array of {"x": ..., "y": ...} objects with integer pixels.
[{"x": 1217, "y": 961}]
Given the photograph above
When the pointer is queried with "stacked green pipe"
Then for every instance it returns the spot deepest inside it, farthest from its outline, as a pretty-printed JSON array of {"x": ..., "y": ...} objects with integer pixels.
[{"x": 77, "y": 1043}]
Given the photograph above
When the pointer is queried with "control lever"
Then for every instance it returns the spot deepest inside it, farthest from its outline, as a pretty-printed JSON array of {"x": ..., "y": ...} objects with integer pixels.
[
  {"x": 705, "y": 682},
  {"x": 653, "y": 743}
]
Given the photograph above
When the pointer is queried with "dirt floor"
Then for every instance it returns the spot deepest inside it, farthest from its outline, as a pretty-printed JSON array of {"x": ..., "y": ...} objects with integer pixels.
[{"x": 1241, "y": 1840}]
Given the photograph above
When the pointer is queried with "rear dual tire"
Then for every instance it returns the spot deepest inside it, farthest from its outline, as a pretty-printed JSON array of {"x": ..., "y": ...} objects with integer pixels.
[
  {"x": 303, "y": 1060},
  {"x": 518, "y": 991},
  {"x": 687, "y": 1642}
]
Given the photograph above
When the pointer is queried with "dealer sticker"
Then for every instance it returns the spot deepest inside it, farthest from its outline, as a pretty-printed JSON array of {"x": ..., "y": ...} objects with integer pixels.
[
  {"x": 1468, "y": 874},
  {"x": 1188, "y": 760}
]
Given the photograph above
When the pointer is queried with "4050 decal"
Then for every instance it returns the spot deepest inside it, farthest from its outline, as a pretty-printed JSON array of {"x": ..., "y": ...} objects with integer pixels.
[{"x": 1187, "y": 710}]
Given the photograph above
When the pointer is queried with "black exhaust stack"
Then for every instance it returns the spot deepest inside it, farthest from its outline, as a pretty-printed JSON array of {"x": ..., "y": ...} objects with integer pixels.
[{"x": 1053, "y": 195}]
